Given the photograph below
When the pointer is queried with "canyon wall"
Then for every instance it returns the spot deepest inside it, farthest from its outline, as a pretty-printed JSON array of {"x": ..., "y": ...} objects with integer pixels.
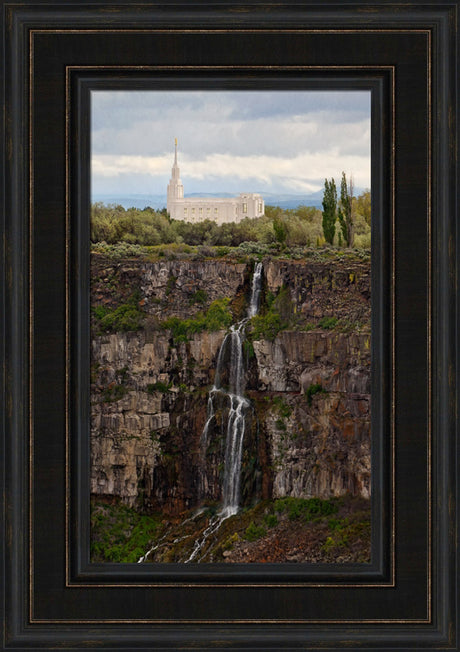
[{"x": 309, "y": 383}]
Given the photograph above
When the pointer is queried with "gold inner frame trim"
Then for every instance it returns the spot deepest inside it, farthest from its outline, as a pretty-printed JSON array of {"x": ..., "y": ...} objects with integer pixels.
[{"x": 67, "y": 312}]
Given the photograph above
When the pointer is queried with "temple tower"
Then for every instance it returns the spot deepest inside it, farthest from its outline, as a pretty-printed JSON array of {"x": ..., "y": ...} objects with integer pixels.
[
  {"x": 217, "y": 209},
  {"x": 175, "y": 187}
]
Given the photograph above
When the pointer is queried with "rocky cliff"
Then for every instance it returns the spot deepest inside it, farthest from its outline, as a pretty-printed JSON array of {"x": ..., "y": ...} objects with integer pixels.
[{"x": 308, "y": 381}]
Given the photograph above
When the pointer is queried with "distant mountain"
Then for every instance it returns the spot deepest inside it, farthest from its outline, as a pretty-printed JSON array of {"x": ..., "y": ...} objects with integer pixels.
[
  {"x": 292, "y": 201},
  {"x": 159, "y": 201},
  {"x": 132, "y": 201}
]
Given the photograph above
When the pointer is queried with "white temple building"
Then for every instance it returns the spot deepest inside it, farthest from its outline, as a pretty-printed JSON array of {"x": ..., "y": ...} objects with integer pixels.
[{"x": 220, "y": 210}]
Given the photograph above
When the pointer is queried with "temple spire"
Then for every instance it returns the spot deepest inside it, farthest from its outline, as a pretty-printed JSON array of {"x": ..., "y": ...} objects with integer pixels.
[{"x": 175, "y": 187}]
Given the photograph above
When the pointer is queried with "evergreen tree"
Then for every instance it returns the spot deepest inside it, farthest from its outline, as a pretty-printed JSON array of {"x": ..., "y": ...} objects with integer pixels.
[
  {"x": 280, "y": 230},
  {"x": 345, "y": 211},
  {"x": 329, "y": 210}
]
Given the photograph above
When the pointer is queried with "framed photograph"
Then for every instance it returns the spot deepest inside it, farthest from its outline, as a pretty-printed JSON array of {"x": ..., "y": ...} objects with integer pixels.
[
  {"x": 230, "y": 326},
  {"x": 230, "y": 337}
]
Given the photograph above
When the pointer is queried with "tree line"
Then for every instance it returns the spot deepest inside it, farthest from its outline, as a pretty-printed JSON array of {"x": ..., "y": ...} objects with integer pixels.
[
  {"x": 340, "y": 223},
  {"x": 342, "y": 216},
  {"x": 292, "y": 227}
]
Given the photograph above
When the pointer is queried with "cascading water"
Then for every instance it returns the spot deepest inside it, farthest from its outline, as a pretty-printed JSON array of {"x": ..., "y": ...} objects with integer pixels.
[{"x": 231, "y": 350}]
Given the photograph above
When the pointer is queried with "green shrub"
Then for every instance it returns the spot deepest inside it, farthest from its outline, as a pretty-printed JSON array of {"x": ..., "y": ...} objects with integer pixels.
[
  {"x": 271, "y": 520},
  {"x": 336, "y": 523},
  {"x": 283, "y": 408},
  {"x": 276, "y": 316},
  {"x": 306, "y": 509},
  {"x": 316, "y": 388},
  {"x": 248, "y": 349},
  {"x": 125, "y": 317},
  {"x": 328, "y": 323},
  {"x": 170, "y": 285},
  {"x": 119, "y": 534},
  {"x": 158, "y": 387},
  {"x": 114, "y": 393},
  {"x": 282, "y": 304},
  {"x": 100, "y": 311},
  {"x": 269, "y": 299},
  {"x": 266, "y": 327},
  {"x": 222, "y": 251},
  {"x": 229, "y": 543},
  {"x": 345, "y": 530},
  {"x": 200, "y": 296},
  {"x": 217, "y": 317},
  {"x": 254, "y": 532}
]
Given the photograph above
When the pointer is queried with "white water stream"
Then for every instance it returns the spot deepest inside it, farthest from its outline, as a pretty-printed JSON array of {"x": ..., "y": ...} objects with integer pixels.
[
  {"x": 236, "y": 420},
  {"x": 230, "y": 351}
]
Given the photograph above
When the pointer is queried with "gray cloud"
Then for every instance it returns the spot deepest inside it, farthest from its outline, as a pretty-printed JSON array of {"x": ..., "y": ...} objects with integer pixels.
[{"x": 279, "y": 141}]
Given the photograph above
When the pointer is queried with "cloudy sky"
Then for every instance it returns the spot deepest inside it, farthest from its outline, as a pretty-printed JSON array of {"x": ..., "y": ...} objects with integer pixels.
[{"x": 281, "y": 142}]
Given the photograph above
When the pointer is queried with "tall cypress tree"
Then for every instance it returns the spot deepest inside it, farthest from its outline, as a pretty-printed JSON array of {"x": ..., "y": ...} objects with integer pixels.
[
  {"x": 329, "y": 210},
  {"x": 345, "y": 212}
]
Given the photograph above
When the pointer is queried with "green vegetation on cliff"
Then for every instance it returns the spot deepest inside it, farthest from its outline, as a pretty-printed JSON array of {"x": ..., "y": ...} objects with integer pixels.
[
  {"x": 274, "y": 316},
  {"x": 217, "y": 317},
  {"x": 125, "y": 317},
  {"x": 306, "y": 509},
  {"x": 119, "y": 533}
]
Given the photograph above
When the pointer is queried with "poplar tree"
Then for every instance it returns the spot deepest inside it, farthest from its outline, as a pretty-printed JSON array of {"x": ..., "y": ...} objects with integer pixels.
[
  {"x": 345, "y": 210},
  {"x": 329, "y": 210}
]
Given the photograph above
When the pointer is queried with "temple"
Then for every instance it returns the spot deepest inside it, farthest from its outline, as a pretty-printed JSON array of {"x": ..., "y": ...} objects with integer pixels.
[{"x": 221, "y": 210}]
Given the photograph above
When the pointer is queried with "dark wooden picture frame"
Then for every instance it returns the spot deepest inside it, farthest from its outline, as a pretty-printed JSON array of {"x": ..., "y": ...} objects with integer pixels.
[{"x": 55, "y": 54}]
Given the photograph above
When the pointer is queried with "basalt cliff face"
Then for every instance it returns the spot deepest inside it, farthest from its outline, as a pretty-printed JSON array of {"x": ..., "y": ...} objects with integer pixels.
[{"x": 308, "y": 429}]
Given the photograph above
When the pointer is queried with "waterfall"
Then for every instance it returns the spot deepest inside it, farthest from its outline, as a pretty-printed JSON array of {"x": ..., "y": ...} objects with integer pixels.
[{"x": 230, "y": 351}]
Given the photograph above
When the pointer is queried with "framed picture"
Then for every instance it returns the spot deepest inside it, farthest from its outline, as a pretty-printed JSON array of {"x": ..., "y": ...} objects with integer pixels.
[
  {"x": 230, "y": 340},
  {"x": 230, "y": 400}
]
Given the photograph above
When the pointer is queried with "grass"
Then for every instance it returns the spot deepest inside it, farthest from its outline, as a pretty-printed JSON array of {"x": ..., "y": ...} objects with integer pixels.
[
  {"x": 305, "y": 509},
  {"x": 328, "y": 323},
  {"x": 120, "y": 534},
  {"x": 343, "y": 532}
]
